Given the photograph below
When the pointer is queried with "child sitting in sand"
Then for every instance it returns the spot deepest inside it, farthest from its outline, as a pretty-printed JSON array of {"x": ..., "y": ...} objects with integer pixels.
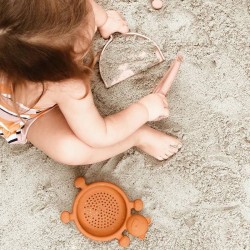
[{"x": 45, "y": 96}]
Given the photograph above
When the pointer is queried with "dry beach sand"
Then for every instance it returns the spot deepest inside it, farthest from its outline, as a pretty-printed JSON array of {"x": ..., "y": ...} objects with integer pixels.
[{"x": 200, "y": 198}]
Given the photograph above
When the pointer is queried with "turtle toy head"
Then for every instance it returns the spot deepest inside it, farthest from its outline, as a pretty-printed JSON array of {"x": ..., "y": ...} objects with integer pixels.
[{"x": 137, "y": 225}]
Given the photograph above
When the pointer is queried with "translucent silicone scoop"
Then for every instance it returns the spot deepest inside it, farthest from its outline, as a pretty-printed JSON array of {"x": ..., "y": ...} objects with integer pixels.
[{"x": 125, "y": 55}]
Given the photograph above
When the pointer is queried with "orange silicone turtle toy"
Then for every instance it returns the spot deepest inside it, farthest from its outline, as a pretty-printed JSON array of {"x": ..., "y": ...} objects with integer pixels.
[{"x": 102, "y": 211}]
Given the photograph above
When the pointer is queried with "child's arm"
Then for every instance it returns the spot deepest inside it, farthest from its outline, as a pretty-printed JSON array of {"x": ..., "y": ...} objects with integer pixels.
[
  {"x": 100, "y": 14},
  {"x": 90, "y": 127},
  {"x": 108, "y": 22}
]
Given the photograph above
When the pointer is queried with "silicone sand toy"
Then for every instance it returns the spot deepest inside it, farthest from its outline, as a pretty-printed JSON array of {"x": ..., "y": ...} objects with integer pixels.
[
  {"x": 168, "y": 78},
  {"x": 157, "y": 4},
  {"x": 102, "y": 211},
  {"x": 126, "y": 55}
]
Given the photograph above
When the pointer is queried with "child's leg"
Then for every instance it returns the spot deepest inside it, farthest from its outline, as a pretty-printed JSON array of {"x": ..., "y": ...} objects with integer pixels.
[{"x": 51, "y": 134}]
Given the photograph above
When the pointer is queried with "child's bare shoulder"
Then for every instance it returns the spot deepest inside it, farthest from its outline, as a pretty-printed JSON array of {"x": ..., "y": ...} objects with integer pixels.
[{"x": 70, "y": 88}]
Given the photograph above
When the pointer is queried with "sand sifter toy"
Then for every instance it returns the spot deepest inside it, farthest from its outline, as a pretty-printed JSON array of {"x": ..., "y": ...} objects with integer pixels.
[
  {"x": 126, "y": 55},
  {"x": 102, "y": 212}
]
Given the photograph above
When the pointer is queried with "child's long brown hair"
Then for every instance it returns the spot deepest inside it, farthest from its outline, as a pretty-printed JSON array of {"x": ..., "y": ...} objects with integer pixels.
[{"x": 37, "y": 40}]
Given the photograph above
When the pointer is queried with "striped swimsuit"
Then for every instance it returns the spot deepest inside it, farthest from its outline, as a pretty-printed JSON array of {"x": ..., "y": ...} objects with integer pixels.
[{"x": 12, "y": 128}]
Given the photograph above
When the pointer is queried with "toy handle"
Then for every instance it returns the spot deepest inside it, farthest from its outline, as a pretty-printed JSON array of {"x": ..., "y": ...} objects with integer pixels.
[
  {"x": 168, "y": 78},
  {"x": 111, "y": 38}
]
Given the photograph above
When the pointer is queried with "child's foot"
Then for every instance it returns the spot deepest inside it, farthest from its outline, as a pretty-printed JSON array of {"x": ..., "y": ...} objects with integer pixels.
[{"x": 157, "y": 144}]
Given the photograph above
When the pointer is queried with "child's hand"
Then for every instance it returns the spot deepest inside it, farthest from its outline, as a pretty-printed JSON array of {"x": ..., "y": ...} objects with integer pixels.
[
  {"x": 157, "y": 106},
  {"x": 114, "y": 23}
]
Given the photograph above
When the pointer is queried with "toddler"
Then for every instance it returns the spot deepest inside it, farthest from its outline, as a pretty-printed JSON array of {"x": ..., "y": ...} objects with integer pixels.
[{"x": 46, "y": 64}]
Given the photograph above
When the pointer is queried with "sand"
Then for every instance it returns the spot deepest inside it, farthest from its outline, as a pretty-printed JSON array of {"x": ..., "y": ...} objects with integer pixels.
[{"x": 200, "y": 198}]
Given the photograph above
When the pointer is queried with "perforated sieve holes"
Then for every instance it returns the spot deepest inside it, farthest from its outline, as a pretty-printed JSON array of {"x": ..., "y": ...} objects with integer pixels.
[{"x": 101, "y": 210}]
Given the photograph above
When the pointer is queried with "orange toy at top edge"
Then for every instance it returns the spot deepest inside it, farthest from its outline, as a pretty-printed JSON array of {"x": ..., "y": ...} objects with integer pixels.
[{"x": 102, "y": 211}]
